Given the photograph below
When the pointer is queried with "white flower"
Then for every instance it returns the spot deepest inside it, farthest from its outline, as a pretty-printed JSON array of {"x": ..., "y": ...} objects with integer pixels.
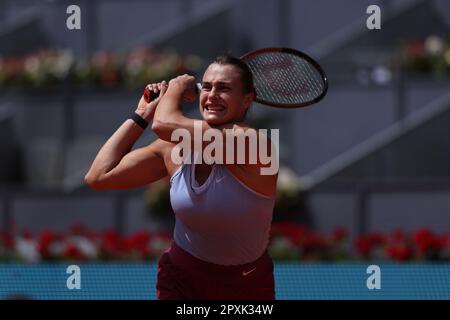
[
  {"x": 32, "y": 65},
  {"x": 288, "y": 180},
  {"x": 434, "y": 45},
  {"x": 27, "y": 250},
  {"x": 159, "y": 245},
  {"x": 86, "y": 247},
  {"x": 62, "y": 63}
]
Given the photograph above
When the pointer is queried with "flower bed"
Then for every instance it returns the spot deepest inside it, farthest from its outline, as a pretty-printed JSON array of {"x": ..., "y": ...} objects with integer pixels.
[
  {"x": 82, "y": 244},
  {"x": 288, "y": 242},
  {"x": 292, "y": 241},
  {"x": 52, "y": 67},
  {"x": 427, "y": 55}
]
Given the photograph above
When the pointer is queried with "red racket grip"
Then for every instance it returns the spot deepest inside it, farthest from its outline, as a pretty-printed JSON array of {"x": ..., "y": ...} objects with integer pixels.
[{"x": 149, "y": 95}]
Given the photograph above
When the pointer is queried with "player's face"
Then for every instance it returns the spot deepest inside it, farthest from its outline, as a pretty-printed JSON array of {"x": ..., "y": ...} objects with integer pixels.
[{"x": 222, "y": 99}]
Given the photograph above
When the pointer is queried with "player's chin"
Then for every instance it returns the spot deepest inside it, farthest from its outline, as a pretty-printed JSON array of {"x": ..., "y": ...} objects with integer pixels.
[{"x": 215, "y": 120}]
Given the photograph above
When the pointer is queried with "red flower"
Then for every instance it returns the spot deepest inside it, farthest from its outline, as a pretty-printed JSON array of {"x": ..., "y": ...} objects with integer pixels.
[
  {"x": 13, "y": 67},
  {"x": 377, "y": 239},
  {"x": 6, "y": 240},
  {"x": 442, "y": 242},
  {"x": 138, "y": 242},
  {"x": 363, "y": 246},
  {"x": 399, "y": 251},
  {"x": 71, "y": 252},
  {"x": 424, "y": 240},
  {"x": 339, "y": 234},
  {"x": 111, "y": 243},
  {"x": 103, "y": 59},
  {"x": 415, "y": 49},
  {"x": 145, "y": 253},
  {"x": 46, "y": 239},
  {"x": 314, "y": 241},
  {"x": 294, "y": 232}
]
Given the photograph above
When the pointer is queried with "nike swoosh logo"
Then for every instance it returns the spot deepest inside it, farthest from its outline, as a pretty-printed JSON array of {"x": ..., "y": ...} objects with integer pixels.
[
  {"x": 219, "y": 179},
  {"x": 244, "y": 273}
]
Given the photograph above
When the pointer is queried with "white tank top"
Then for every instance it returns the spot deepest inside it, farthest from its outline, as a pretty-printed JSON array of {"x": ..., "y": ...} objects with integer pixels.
[{"x": 222, "y": 221}]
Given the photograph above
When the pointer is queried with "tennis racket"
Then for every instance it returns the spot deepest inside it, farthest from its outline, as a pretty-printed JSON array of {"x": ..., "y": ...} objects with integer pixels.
[{"x": 282, "y": 77}]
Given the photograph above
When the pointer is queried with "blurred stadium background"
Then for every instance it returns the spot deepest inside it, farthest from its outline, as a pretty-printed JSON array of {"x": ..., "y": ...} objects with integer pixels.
[{"x": 369, "y": 166}]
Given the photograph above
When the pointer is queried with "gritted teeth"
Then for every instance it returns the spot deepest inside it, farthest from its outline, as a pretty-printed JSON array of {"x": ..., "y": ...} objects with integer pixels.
[{"x": 214, "y": 108}]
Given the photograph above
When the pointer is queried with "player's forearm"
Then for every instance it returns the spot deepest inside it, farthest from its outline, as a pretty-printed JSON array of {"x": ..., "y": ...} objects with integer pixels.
[
  {"x": 168, "y": 115},
  {"x": 117, "y": 146}
]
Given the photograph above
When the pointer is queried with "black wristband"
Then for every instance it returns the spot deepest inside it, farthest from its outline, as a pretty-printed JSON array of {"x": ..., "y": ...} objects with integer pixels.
[{"x": 141, "y": 122}]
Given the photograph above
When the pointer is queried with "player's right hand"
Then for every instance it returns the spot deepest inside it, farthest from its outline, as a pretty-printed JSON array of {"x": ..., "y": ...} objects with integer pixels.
[{"x": 147, "y": 109}]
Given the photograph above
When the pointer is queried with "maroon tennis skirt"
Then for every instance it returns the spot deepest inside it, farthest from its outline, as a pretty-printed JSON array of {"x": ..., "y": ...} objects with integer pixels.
[{"x": 182, "y": 276}]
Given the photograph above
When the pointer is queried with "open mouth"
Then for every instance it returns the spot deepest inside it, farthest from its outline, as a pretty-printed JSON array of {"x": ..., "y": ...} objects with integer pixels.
[{"x": 214, "y": 109}]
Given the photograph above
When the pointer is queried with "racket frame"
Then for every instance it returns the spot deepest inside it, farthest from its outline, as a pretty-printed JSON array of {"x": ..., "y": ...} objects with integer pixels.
[{"x": 304, "y": 56}]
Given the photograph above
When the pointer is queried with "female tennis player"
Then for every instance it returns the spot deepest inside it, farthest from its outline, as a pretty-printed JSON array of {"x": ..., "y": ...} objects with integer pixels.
[{"x": 223, "y": 212}]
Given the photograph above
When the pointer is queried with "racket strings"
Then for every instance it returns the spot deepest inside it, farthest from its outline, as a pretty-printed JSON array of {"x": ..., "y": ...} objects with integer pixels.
[{"x": 285, "y": 78}]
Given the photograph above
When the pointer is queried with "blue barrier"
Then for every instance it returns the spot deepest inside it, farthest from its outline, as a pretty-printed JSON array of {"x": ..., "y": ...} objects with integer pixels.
[{"x": 293, "y": 281}]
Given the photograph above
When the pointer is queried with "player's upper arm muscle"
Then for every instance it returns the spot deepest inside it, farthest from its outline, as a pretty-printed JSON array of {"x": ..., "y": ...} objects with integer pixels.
[{"x": 137, "y": 168}]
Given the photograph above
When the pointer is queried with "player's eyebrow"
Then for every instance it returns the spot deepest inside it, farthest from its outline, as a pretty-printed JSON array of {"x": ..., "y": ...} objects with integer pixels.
[{"x": 218, "y": 82}]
